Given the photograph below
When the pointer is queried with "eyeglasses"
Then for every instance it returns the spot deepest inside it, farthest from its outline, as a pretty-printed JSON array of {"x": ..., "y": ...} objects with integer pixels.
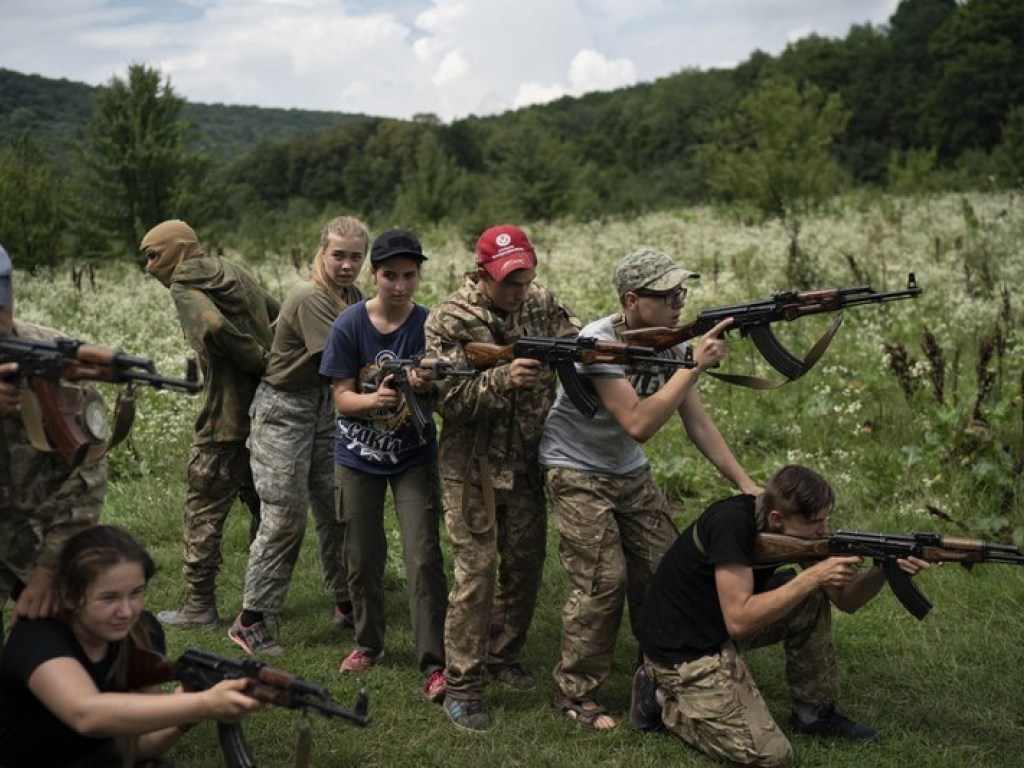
[{"x": 672, "y": 299}]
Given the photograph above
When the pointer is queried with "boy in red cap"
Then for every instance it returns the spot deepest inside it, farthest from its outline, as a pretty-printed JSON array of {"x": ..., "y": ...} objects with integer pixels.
[{"x": 488, "y": 461}]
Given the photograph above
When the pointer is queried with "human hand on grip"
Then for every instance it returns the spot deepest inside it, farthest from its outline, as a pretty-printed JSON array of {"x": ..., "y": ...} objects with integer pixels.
[
  {"x": 525, "y": 372},
  {"x": 386, "y": 396},
  {"x": 912, "y": 565},
  {"x": 227, "y": 701},
  {"x": 836, "y": 571},
  {"x": 421, "y": 379},
  {"x": 712, "y": 348}
]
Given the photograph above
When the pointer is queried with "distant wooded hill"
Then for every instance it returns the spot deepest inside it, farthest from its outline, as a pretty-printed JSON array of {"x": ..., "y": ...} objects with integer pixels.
[
  {"x": 934, "y": 99},
  {"x": 54, "y": 112}
]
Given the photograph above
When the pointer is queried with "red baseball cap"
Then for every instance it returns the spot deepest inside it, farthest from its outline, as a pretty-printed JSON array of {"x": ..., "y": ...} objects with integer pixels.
[{"x": 503, "y": 249}]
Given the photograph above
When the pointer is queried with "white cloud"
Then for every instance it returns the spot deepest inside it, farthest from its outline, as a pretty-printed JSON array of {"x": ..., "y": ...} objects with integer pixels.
[
  {"x": 536, "y": 93},
  {"x": 400, "y": 57},
  {"x": 590, "y": 71}
]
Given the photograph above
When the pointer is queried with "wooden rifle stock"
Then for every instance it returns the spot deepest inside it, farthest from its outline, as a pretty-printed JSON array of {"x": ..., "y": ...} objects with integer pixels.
[
  {"x": 778, "y": 548},
  {"x": 485, "y": 355},
  {"x": 67, "y": 437}
]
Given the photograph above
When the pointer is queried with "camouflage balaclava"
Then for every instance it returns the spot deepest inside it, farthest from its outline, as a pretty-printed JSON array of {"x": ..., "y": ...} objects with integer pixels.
[{"x": 170, "y": 243}]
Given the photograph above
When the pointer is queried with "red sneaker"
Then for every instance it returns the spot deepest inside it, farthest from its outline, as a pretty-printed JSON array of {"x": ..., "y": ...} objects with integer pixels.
[
  {"x": 433, "y": 689},
  {"x": 357, "y": 662}
]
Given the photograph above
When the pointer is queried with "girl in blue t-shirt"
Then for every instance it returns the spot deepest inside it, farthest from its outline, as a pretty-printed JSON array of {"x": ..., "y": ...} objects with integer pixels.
[
  {"x": 64, "y": 692},
  {"x": 378, "y": 444}
]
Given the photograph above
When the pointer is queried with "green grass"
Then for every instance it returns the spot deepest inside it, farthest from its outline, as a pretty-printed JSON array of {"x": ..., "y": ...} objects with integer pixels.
[{"x": 944, "y": 691}]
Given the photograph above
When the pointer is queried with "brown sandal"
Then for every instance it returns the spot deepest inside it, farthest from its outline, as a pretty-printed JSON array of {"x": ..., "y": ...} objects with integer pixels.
[{"x": 583, "y": 712}]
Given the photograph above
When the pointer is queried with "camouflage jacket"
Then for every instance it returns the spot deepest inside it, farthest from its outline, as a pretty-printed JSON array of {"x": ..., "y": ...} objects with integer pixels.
[
  {"x": 43, "y": 501},
  {"x": 485, "y": 413},
  {"x": 226, "y": 317}
]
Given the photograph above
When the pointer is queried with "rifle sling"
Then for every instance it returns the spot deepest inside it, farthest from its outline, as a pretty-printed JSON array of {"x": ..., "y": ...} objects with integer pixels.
[
  {"x": 486, "y": 486},
  {"x": 780, "y": 358},
  {"x": 760, "y": 524}
]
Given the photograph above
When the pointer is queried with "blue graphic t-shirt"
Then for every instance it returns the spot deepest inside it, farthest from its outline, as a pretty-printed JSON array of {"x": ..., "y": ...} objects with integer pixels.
[{"x": 385, "y": 442}]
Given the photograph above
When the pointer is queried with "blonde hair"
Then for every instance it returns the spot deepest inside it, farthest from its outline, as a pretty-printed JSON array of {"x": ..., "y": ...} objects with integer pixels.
[{"x": 341, "y": 226}]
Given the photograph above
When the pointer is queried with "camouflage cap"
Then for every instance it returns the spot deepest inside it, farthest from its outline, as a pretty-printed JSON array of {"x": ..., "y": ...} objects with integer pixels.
[
  {"x": 649, "y": 269},
  {"x": 5, "y": 278}
]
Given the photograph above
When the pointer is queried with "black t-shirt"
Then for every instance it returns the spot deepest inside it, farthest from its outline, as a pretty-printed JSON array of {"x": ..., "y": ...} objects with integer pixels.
[
  {"x": 682, "y": 615},
  {"x": 30, "y": 735}
]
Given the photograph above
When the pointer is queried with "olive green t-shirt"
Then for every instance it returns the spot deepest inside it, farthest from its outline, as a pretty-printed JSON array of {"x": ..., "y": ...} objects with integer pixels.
[{"x": 302, "y": 329}]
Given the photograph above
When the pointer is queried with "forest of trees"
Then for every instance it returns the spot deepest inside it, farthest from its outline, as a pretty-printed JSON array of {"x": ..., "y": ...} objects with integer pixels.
[{"x": 934, "y": 99}]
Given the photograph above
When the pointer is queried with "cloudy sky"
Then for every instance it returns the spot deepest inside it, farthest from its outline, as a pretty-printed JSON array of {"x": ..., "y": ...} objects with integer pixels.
[{"x": 400, "y": 57}]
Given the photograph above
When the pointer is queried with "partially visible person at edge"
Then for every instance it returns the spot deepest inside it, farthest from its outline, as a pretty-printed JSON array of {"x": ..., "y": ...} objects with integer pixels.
[
  {"x": 43, "y": 500},
  {"x": 377, "y": 446},
  {"x": 292, "y": 441},
  {"x": 64, "y": 689},
  {"x": 226, "y": 317},
  {"x": 614, "y": 524},
  {"x": 493, "y": 492},
  {"x": 708, "y": 604}
]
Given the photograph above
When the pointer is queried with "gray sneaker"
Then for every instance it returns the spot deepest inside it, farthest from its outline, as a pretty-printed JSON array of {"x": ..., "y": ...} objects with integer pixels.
[
  {"x": 468, "y": 714},
  {"x": 514, "y": 677},
  {"x": 254, "y": 639},
  {"x": 190, "y": 616}
]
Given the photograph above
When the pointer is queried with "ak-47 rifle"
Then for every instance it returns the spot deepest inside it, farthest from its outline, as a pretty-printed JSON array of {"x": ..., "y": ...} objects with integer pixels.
[
  {"x": 44, "y": 364},
  {"x": 198, "y": 670},
  {"x": 398, "y": 368},
  {"x": 754, "y": 319},
  {"x": 886, "y": 549},
  {"x": 563, "y": 354}
]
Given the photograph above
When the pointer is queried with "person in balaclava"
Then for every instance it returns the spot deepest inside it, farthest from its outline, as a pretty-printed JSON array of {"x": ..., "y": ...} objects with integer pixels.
[
  {"x": 44, "y": 500},
  {"x": 226, "y": 317}
]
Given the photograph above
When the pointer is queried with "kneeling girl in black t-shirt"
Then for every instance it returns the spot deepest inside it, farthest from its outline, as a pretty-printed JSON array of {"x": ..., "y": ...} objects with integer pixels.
[{"x": 63, "y": 681}]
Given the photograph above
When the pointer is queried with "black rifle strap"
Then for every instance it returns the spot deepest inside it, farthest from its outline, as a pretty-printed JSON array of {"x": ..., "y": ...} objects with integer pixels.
[{"x": 780, "y": 358}]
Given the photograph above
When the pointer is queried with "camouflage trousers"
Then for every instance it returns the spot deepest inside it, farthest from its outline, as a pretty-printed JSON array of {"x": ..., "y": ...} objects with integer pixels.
[
  {"x": 714, "y": 705},
  {"x": 613, "y": 532},
  {"x": 218, "y": 473},
  {"x": 417, "y": 509},
  {"x": 291, "y": 447},
  {"x": 497, "y": 574},
  {"x": 46, "y": 507}
]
